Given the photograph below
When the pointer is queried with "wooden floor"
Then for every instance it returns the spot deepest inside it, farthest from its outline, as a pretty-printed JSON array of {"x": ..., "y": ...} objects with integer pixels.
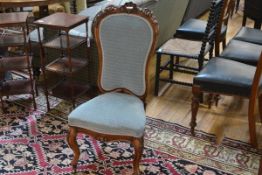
[{"x": 228, "y": 119}]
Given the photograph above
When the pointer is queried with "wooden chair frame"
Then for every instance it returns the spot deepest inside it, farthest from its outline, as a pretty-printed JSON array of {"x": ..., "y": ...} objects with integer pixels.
[
  {"x": 228, "y": 10},
  {"x": 173, "y": 64},
  {"x": 138, "y": 143},
  {"x": 197, "y": 91}
]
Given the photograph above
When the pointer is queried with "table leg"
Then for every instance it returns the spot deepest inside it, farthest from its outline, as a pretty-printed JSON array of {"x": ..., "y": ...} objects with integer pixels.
[{"x": 43, "y": 12}]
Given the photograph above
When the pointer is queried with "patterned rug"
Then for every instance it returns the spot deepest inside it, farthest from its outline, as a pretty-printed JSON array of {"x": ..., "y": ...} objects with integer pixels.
[{"x": 33, "y": 143}]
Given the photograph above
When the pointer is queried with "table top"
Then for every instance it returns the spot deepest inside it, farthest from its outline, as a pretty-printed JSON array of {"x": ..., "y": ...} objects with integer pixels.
[
  {"x": 63, "y": 21},
  {"x": 12, "y": 19},
  {"x": 27, "y": 3}
]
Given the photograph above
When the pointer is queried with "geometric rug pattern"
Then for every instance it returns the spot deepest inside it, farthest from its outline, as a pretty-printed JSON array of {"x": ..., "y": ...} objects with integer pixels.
[{"x": 34, "y": 143}]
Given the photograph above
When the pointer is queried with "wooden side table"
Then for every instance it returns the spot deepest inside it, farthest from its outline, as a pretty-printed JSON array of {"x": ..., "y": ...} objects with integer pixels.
[
  {"x": 65, "y": 65},
  {"x": 17, "y": 62}
]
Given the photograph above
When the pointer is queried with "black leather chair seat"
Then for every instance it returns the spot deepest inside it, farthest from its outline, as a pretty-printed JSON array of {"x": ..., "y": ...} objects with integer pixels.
[
  {"x": 195, "y": 29},
  {"x": 226, "y": 76},
  {"x": 249, "y": 35},
  {"x": 242, "y": 51}
]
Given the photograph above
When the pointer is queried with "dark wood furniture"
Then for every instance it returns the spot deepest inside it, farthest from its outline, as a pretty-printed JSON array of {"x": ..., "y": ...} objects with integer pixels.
[
  {"x": 189, "y": 49},
  {"x": 124, "y": 51},
  {"x": 195, "y": 28},
  {"x": 228, "y": 77},
  {"x": 223, "y": 25},
  {"x": 65, "y": 65},
  {"x": 16, "y": 62},
  {"x": 253, "y": 10}
]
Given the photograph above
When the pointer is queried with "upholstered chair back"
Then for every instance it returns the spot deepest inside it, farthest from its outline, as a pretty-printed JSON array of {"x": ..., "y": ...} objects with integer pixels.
[{"x": 126, "y": 40}]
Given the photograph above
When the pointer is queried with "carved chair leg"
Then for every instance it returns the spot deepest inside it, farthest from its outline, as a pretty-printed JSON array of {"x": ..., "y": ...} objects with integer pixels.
[
  {"x": 71, "y": 138},
  {"x": 194, "y": 107},
  {"x": 260, "y": 107},
  {"x": 252, "y": 123},
  {"x": 138, "y": 144}
]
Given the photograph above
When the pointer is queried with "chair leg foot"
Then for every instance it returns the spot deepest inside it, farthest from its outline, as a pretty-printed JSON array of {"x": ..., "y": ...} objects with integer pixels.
[
  {"x": 252, "y": 123},
  {"x": 138, "y": 144},
  {"x": 194, "y": 107},
  {"x": 71, "y": 139}
]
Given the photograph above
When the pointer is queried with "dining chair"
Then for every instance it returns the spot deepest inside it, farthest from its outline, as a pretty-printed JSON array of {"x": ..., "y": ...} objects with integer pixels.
[
  {"x": 249, "y": 35},
  {"x": 189, "y": 49},
  {"x": 253, "y": 10},
  {"x": 195, "y": 28},
  {"x": 126, "y": 38},
  {"x": 242, "y": 51},
  {"x": 228, "y": 77}
]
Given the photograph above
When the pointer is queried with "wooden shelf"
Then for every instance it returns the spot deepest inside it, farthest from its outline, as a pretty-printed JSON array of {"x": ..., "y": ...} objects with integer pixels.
[
  {"x": 14, "y": 63},
  {"x": 69, "y": 90},
  {"x": 60, "y": 42},
  {"x": 12, "y": 40},
  {"x": 15, "y": 87},
  {"x": 62, "y": 65}
]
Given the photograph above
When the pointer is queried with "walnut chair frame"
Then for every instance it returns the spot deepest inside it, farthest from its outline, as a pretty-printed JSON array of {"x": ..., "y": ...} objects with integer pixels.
[
  {"x": 255, "y": 92},
  {"x": 228, "y": 11},
  {"x": 138, "y": 143}
]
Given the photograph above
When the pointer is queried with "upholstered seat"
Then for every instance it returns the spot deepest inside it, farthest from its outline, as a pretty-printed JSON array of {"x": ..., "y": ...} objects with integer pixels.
[
  {"x": 249, "y": 35},
  {"x": 221, "y": 77},
  {"x": 195, "y": 29},
  {"x": 228, "y": 77},
  {"x": 126, "y": 37},
  {"x": 242, "y": 51},
  {"x": 99, "y": 115}
]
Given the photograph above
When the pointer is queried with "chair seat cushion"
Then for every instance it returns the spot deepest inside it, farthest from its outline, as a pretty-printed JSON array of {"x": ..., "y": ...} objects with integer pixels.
[
  {"x": 249, "y": 35},
  {"x": 226, "y": 77},
  {"x": 182, "y": 47},
  {"x": 242, "y": 51},
  {"x": 195, "y": 29},
  {"x": 111, "y": 113}
]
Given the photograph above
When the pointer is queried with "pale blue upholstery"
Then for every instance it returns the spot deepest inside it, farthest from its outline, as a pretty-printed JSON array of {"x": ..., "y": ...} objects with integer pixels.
[
  {"x": 124, "y": 49},
  {"x": 81, "y": 30},
  {"x": 34, "y": 36},
  {"x": 111, "y": 113},
  {"x": 126, "y": 38}
]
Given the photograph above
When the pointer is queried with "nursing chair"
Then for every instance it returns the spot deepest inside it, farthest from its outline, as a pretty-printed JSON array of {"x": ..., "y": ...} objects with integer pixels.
[
  {"x": 189, "y": 49},
  {"x": 228, "y": 77},
  {"x": 126, "y": 39}
]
